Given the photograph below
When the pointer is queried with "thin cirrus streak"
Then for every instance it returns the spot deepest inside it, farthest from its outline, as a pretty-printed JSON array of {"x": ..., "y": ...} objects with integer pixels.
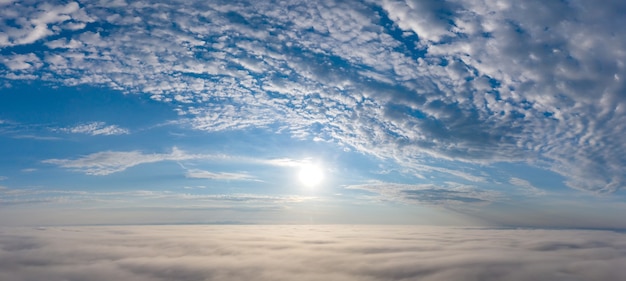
[{"x": 95, "y": 129}]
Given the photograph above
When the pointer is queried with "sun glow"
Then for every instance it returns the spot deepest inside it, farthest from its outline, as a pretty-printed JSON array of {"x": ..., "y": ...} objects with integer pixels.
[{"x": 310, "y": 175}]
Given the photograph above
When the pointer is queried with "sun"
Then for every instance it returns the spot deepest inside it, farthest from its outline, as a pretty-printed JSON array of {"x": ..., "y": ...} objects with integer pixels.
[{"x": 310, "y": 175}]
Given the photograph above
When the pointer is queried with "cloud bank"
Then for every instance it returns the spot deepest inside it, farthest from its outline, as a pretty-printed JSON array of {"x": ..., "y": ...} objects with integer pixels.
[
  {"x": 476, "y": 81},
  {"x": 186, "y": 253}
]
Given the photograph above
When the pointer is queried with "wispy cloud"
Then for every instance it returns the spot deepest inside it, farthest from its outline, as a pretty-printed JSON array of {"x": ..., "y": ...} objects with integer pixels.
[
  {"x": 202, "y": 174},
  {"x": 108, "y": 162},
  {"x": 194, "y": 187},
  {"x": 526, "y": 187},
  {"x": 286, "y": 162},
  {"x": 36, "y": 137},
  {"x": 448, "y": 194},
  {"x": 95, "y": 129},
  {"x": 138, "y": 199}
]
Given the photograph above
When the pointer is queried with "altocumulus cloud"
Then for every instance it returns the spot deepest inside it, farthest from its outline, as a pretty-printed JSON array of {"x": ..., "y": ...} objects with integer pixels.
[
  {"x": 143, "y": 253},
  {"x": 475, "y": 81}
]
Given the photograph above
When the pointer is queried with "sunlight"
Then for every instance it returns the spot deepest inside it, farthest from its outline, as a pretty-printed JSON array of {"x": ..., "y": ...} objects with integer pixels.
[{"x": 310, "y": 175}]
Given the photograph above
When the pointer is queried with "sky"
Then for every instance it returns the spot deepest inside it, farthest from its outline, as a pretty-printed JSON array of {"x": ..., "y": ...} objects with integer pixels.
[{"x": 474, "y": 112}]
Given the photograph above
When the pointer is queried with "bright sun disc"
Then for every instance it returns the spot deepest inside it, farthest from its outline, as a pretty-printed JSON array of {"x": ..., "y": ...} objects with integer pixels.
[{"x": 310, "y": 175}]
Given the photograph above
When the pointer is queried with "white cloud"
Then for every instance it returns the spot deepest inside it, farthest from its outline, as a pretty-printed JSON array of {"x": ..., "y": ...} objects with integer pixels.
[
  {"x": 309, "y": 252},
  {"x": 96, "y": 128},
  {"x": 108, "y": 162},
  {"x": 21, "y": 62},
  {"x": 454, "y": 172},
  {"x": 202, "y": 174},
  {"x": 526, "y": 186},
  {"x": 61, "y": 43},
  {"x": 424, "y": 17},
  {"x": 448, "y": 194},
  {"x": 286, "y": 162},
  {"x": 472, "y": 81},
  {"x": 194, "y": 187},
  {"x": 33, "y": 21}
]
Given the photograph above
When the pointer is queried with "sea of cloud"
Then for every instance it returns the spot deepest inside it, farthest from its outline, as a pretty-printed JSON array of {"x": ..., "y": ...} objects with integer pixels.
[{"x": 308, "y": 252}]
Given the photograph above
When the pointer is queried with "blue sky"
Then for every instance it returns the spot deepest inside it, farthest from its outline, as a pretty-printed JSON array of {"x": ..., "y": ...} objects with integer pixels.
[{"x": 422, "y": 112}]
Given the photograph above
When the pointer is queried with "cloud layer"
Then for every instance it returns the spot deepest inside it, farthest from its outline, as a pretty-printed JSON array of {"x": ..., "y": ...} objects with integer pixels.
[
  {"x": 477, "y": 81},
  {"x": 186, "y": 253}
]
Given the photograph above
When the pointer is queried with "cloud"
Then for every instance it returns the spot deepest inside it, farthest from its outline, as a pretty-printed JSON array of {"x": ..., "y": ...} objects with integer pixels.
[
  {"x": 36, "y": 137},
  {"x": 108, "y": 162},
  {"x": 449, "y": 194},
  {"x": 295, "y": 252},
  {"x": 95, "y": 129},
  {"x": 194, "y": 187},
  {"x": 526, "y": 186},
  {"x": 21, "y": 62},
  {"x": 201, "y": 174},
  {"x": 427, "y": 19},
  {"x": 471, "y": 81},
  {"x": 141, "y": 199},
  {"x": 3, "y": 178},
  {"x": 36, "y": 21},
  {"x": 19, "y": 130},
  {"x": 287, "y": 162}
]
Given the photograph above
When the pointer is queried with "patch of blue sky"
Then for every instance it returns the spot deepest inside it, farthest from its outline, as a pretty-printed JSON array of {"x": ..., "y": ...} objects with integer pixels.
[
  {"x": 51, "y": 104},
  {"x": 541, "y": 178},
  {"x": 408, "y": 39}
]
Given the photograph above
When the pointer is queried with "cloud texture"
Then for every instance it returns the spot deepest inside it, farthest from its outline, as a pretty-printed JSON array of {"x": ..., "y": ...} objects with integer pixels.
[
  {"x": 448, "y": 194},
  {"x": 477, "y": 81},
  {"x": 95, "y": 129},
  {"x": 108, "y": 162},
  {"x": 145, "y": 253}
]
